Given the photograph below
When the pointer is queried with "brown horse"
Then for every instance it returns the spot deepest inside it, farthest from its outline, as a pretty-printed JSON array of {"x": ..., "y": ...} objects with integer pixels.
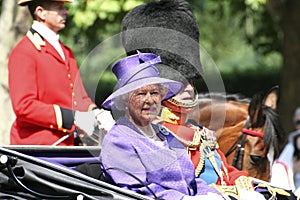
[{"x": 248, "y": 131}]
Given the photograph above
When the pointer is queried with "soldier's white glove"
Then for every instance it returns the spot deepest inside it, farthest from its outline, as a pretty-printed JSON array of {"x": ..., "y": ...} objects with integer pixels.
[
  {"x": 104, "y": 119},
  {"x": 86, "y": 121},
  {"x": 208, "y": 196},
  {"x": 250, "y": 195}
]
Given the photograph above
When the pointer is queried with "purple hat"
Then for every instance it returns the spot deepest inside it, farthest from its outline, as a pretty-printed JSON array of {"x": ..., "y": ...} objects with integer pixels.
[{"x": 136, "y": 71}]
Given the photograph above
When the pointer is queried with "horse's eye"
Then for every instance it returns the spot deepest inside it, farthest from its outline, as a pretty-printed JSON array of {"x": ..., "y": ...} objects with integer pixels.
[{"x": 255, "y": 160}]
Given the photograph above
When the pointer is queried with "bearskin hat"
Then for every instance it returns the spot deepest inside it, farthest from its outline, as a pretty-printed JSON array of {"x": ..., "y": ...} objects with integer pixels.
[{"x": 169, "y": 29}]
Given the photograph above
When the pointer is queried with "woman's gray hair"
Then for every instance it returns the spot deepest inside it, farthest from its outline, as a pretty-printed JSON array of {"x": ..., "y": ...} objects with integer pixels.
[{"x": 121, "y": 101}]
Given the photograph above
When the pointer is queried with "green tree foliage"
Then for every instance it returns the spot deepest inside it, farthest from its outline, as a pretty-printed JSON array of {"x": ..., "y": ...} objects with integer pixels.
[
  {"x": 92, "y": 21},
  {"x": 239, "y": 36},
  {"x": 224, "y": 34}
]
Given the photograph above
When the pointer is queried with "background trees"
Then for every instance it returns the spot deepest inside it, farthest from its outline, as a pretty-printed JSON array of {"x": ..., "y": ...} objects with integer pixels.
[
  {"x": 254, "y": 43},
  {"x": 271, "y": 27}
]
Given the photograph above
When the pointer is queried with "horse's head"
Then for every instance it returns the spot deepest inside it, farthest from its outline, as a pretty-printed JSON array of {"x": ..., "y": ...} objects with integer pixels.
[
  {"x": 254, "y": 125},
  {"x": 263, "y": 132}
]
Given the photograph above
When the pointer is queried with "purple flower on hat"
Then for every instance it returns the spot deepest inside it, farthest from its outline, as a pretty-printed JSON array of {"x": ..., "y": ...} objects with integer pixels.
[{"x": 130, "y": 70}]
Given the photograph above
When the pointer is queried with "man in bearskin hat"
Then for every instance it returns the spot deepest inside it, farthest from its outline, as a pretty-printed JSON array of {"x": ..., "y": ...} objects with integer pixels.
[{"x": 169, "y": 29}]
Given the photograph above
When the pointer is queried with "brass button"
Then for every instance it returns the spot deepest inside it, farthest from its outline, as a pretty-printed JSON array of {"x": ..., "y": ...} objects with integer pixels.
[
  {"x": 75, "y": 103},
  {"x": 73, "y": 94},
  {"x": 71, "y": 85},
  {"x": 69, "y": 76},
  {"x": 51, "y": 126}
]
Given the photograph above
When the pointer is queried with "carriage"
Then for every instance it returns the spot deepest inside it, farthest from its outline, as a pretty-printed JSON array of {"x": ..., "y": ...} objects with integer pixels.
[{"x": 46, "y": 172}]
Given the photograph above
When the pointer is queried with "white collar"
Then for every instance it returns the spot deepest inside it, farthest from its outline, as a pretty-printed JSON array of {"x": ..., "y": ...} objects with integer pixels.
[
  {"x": 50, "y": 36},
  {"x": 46, "y": 32}
]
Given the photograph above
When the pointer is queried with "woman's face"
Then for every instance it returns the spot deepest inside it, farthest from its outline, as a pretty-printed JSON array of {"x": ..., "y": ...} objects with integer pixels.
[{"x": 144, "y": 104}]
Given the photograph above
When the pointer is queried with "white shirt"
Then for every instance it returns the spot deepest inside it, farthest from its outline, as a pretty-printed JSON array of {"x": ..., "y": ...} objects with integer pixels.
[{"x": 50, "y": 36}]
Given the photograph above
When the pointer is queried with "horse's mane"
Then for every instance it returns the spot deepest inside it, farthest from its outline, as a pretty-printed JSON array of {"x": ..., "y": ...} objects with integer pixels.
[
  {"x": 274, "y": 132},
  {"x": 223, "y": 96}
]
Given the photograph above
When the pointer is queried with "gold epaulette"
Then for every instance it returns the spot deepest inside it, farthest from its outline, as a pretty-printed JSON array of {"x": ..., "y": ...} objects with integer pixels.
[
  {"x": 241, "y": 183},
  {"x": 244, "y": 183},
  {"x": 272, "y": 190},
  {"x": 168, "y": 116},
  {"x": 227, "y": 190},
  {"x": 36, "y": 40},
  {"x": 263, "y": 184}
]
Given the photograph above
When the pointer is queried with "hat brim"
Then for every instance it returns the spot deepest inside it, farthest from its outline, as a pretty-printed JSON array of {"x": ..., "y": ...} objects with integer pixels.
[
  {"x": 25, "y": 2},
  {"x": 174, "y": 87}
]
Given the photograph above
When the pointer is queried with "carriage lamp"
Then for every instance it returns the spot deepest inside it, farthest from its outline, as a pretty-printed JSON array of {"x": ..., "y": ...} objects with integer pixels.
[{"x": 4, "y": 160}]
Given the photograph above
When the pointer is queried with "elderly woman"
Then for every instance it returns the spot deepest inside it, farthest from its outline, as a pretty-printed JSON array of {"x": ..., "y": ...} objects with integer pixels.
[{"x": 139, "y": 155}]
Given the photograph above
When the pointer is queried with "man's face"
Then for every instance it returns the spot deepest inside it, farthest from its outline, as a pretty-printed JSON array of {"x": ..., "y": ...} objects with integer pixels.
[
  {"x": 54, "y": 15},
  {"x": 144, "y": 104},
  {"x": 186, "y": 95}
]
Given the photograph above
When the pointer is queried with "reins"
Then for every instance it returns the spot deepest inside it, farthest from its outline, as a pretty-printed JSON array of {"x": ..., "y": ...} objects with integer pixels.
[
  {"x": 252, "y": 133},
  {"x": 239, "y": 145}
]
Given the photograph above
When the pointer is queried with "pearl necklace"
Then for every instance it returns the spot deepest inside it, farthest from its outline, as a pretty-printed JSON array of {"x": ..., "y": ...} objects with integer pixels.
[{"x": 153, "y": 136}]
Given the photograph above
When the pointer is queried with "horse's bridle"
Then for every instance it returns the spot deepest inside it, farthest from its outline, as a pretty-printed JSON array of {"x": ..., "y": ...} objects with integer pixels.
[{"x": 239, "y": 145}]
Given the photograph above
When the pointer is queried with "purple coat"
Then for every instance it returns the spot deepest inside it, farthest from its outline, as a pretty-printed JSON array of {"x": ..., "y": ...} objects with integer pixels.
[{"x": 164, "y": 166}]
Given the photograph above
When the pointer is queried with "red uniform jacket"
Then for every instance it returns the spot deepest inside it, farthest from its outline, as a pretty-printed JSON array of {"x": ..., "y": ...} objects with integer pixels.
[
  {"x": 187, "y": 133},
  {"x": 44, "y": 89}
]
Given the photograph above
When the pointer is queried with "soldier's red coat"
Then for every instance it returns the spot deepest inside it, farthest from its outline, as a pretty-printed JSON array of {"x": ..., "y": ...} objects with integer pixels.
[
  {"x": 187, "y": 133},
  {"x": 41, "y": 84}
]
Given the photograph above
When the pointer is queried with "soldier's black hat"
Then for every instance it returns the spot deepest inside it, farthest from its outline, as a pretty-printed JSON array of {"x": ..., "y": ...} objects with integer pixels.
[{"x": 169, "y": 29}]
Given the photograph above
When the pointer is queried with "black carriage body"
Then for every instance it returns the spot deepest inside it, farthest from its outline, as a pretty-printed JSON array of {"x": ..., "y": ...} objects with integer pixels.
[{"x": 46, "y": 172}]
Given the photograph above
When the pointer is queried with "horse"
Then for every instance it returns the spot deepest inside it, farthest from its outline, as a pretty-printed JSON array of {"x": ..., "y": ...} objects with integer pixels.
[{"x": 248, "y": 131}]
